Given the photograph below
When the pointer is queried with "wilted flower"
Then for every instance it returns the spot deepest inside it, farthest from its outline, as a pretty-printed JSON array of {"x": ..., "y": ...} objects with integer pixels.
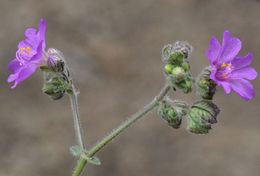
[
  {"x": 230, "y": 71},
  {"x": 29, "y": 56}
]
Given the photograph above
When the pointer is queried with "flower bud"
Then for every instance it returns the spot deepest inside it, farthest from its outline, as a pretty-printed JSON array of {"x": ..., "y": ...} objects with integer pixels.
[
  {"x": 172, "y": 115},
  {"x": 206, "y": 87},
  {"x": 168, "y": 68},
  {"x": 175, "y": 58},
  {"x": 52, "y": 51},
  {"x": 185, "y": 85},
  {"x": 184, "y": 47},
  {"x": 178, "y": 73},
  {"x": 201, "y": 115},
  {"x": 55, "y": 87},
  {"x": 166, "y": 51},
  {"x": 55, "y": 63},
  {"x": 186, "y": 66}
]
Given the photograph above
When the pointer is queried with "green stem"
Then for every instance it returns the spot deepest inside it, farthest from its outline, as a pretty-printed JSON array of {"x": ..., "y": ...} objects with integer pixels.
[
  {"x": 81, "y": 164},
  {"x": 155, "y": 102},
  {"x": 75, "y": 112}
]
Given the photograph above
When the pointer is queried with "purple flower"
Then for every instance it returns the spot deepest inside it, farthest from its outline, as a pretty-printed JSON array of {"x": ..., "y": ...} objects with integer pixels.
[
  {"x": 230, "y": 71},
  {"x": 29, "y": 56}
]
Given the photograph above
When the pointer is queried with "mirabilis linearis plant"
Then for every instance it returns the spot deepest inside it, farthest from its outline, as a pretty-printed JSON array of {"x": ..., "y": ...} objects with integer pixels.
[{"x": 226, "y": 70}]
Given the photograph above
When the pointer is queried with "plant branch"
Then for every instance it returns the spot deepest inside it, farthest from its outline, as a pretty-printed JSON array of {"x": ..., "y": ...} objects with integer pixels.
[{"x": 155, "y": 102}]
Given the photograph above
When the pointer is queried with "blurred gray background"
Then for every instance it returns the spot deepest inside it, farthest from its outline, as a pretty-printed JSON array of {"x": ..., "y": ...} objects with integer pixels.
[{"x": 114, "y": 51}]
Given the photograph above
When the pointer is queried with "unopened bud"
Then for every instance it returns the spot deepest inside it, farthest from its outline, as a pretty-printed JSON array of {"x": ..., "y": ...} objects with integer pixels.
[
  {"x": 168, "y": 68},
  {"x": 166, "y": 51},
  {"x": 185, "y": 85},
  {"x": 175, "y": 58},
  {"x": 186, "y": 66},
  {"x": 206, "y": 87},
  {"x": 55, "y": 87},
  {"x": 171, "y": 115},
  {"x": 184, "y": 47},
  {"x": 178, "y": 73},
  {"x": 201, "y": 115},
  {"x": 52, "y": 51},
  {"x": 55, "y": 63}
]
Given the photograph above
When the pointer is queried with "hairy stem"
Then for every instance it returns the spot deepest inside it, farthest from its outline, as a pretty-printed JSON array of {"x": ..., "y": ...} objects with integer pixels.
[
  {"x": 80, "y": 166},
  {"x": 155, "y": 102},
  {"x": 75, "y": 112}
]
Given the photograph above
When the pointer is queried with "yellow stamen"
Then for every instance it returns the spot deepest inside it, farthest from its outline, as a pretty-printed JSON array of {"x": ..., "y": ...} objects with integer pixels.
[
  {"x": 224, "y": 76},
  {"x": 27, "y": 50},
  {"x": 223, "y": 65}
]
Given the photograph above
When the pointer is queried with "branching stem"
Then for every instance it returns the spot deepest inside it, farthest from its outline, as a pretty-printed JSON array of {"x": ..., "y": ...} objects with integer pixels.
[{"x": 155, "y": 102}]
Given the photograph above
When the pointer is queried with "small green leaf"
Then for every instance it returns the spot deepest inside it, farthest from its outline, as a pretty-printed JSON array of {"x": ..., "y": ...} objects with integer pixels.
[
  {"x": 92, "y": 160},
  {"x": 69, "y": 91},
  {"x": 45, "y": 68},
  {"x": 47, "y": 88},
  {"x": 75, "y": 150}
]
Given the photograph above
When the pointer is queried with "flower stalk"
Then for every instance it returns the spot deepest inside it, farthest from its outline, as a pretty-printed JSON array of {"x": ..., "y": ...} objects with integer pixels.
[
  {"x": 148, "y": 108},
  {"x": 76, "y": 117}
]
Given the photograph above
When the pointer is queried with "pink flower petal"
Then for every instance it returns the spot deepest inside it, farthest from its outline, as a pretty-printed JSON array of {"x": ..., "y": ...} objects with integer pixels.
[
  {"x": 24, "y": 73},
  {"x": 243, "y": 88},
  {"x": 30, "y": 33},
  {"x": 31, "y": 37},
  {"x": 12, "y": 77},
  {"x": 214, "y": 51},
  {"x": 38, "y": 56},
  {"x": 240, "y": 62},
  {"x": 230, "y": 47},
  {"x": 226, "y": 86},
  {"x": 246, "y": 72},
  {"x": 41, "y": 33},
  {"x": 14, "y": 65}
]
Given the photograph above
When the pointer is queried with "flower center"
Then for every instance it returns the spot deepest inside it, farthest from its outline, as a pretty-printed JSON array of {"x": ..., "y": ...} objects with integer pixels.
[
  {"x": 224, "y": 70},
  {"x": 27, "y": 49},
  {"x": 24, "y": 54}
]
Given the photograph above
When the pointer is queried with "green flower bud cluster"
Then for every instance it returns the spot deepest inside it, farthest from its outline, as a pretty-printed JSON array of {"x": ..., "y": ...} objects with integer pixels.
[
  {"x": 171, "y": 114},
  {"x": 206, "y": 87},
  {"x": 56, "y": 87},
  {"x": 57, "y": 77},
  {"x": 201, "y": 115},
  {"x": 177, "y": 68}
]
